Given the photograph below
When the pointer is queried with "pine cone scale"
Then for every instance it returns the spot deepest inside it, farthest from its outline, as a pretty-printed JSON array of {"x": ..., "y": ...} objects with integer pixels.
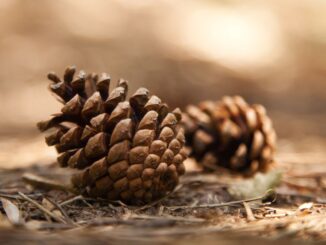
[{"x": 230, "y": 133}]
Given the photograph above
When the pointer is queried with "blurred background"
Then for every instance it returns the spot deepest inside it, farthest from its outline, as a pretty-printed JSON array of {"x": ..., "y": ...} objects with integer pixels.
[{"x": 271, "y": 52}]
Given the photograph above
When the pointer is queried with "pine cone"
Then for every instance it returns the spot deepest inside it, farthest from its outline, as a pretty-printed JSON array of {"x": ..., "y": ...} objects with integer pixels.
[
  {"x": 128, "y": 150},
  {"x": 231, "y": 134}
]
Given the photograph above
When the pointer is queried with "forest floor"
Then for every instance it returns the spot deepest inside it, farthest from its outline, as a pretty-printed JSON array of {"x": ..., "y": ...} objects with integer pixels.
[{"x": 205, "y": 207}]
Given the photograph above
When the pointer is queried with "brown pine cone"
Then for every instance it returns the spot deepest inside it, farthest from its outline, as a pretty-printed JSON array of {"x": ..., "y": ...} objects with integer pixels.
[
  {"x": 231, "y": 134},
  {"x": 128, "y": 150}
]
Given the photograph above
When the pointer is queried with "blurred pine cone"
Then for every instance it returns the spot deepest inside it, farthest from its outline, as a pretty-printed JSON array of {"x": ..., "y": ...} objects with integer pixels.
[
  {"x": 231, "y": 134},
  {"x": 128, "y": 150}
]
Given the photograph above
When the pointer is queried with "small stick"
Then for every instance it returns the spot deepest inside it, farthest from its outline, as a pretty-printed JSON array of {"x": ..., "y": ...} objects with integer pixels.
[
  {"x": 39, "y": 206},
  {"x": 12, "y": 196},
  {"x": 62, "y": 211},
  {"x": 87, "y": 203},
  {"x": 73, "y": 199},
  {"x": 118, "y": 202},
  {"x": 188, "y": 219},
  {"x": 85, "y": 199},
  {"x": 250, "y": 215},
  {"x": 46, "y": 184},
  {"x": 270, "y": 194}
]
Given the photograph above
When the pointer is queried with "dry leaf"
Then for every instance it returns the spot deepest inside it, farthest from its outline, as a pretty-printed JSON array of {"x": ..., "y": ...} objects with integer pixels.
[
  {"x": 256, "y": 186},
  {"x": 47, "y": 204},
  {"x": 305, "y": 208},
  {"x": 12, "y": 211}
]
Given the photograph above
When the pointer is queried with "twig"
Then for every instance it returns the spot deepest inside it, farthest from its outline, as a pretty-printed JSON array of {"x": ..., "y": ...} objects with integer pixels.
[
  {"x": 71, "y": 200},
  {"x": 250, "y": 215},
  {"x": 75, "y": 198},
  {"x": 63, "y": 212},
  {"x": 268, "y": 194},
  {"x": 87, "y": 203},
  {"x": 174, "y": 218},
  {"x": 46, "y": 184},
  {"x": 39, "y": 206},
  {"x": 10, "y": 196},
  {"x": 118, "y": 202}
]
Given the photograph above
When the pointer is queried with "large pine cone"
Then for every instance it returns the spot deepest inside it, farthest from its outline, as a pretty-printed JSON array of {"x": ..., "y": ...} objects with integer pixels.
[
  {"x": 128, "y": 150},
  {"x": 231, "y": 134}
]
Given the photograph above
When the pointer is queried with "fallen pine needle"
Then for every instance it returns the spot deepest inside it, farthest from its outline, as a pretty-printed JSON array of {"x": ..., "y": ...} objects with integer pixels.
[
  {"x": 43, "y": 209},
  {"x": 74, "y": 199},
  {"x": 270, "y": 194}
]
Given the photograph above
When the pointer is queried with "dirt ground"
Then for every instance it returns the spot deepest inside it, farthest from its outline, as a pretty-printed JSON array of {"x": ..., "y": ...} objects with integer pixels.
[{"x": 202, "y": 208}]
